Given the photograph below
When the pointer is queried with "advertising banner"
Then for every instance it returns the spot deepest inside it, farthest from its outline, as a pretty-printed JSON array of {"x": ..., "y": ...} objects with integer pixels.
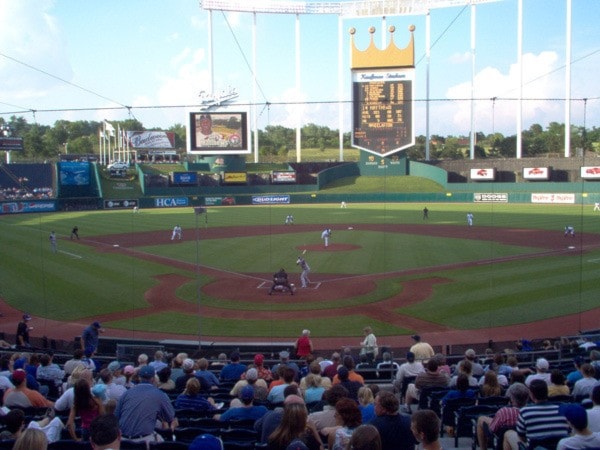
[
  {"x": 487, "y": 174},
  {"x": 235, "y": 177},
  {"x": 150, "y": 139},
  {"x": 553, "y": 198},
  {"x": 185, "y": 178},
  {"x": 536, "y": 173},
  {"x": 284, "y": 177},
  {"x": 27, "y": 207},
  {"x": 270, "y": 199},
  {"x": 120, "y": 204},
  {"x": 219, "y": 201},
  {"x": 170, "y": 202},
  {"x": 590, "y": 172},
  {"x": 490, "y": 198},
  {"x": 74, "y": 173}
]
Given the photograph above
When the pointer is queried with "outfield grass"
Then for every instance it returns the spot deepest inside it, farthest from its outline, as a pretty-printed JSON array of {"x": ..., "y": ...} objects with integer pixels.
[{"x": 81, "y": 282}]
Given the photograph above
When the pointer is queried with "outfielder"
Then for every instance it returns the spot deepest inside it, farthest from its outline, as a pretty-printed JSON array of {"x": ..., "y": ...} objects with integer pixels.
[
  {"x": 52, "y": 239},
  {"x": 325, "y": 235},
  {"x": 305, "y": 270},
  {"x": 470, "y": 219},
  {"x": 596, "y": 206},
  {"x": 177, "y": 233},
  {"x": 289, "y": 219}
]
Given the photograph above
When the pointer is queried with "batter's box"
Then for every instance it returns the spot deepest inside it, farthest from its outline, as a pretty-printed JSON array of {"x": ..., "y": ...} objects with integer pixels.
[{"x": 314, "y": 285}]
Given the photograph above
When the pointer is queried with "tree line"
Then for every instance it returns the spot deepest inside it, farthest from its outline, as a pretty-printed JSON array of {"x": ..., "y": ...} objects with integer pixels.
[{"x": 45, "y": 142}]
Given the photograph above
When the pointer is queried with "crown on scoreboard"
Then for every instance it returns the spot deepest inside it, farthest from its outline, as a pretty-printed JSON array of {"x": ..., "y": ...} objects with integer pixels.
[{"x": 392, "y": 56}]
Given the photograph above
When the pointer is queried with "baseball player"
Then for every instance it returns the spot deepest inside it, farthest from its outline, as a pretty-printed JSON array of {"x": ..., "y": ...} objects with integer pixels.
[
  {"x": 596, "y": 206},
  {"x": 569, "y": 231},
  {"x": 52, "y": 239},
  {"x": 75, "y": 232},
  {"x": 177, "y": 233},
  {"x": 470, "y": 219},
  {"x": 289, "y": 219},
  {"x": 305, "y": 271},
  {"x": 325, "y": 235}
]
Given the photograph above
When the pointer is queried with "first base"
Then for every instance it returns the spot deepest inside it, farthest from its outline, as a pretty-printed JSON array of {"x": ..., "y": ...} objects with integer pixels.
[{"x": 115, "y": 245}]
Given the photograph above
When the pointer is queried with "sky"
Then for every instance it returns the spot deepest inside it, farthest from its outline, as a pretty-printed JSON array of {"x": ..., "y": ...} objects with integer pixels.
[{"x": 149, "y": 60}]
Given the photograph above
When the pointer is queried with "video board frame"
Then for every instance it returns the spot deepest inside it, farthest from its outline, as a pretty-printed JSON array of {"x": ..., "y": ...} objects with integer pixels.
[{"x": 222, "y": 132}]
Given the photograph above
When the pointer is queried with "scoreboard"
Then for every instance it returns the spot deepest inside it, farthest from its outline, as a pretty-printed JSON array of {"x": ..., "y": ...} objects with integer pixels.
[{"x": 382, "y": 111}]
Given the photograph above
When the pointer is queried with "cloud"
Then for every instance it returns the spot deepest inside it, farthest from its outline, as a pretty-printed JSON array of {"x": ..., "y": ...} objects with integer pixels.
[{"x": 459, "y": 58}]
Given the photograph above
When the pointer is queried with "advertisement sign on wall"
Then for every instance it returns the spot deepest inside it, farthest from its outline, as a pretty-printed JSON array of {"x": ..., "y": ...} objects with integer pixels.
[
  {"x": 491, "y": 197},
  {"x": 120, "y": 204},
  {"x": 284, "y": 177},
  {"x": 590, "y": 172},
  {"x": 553, "y": 198},
  {"x": 170, "y": 202},
  {"x": 536, "y": 173},
  {"x": 270, "y": 199},
  {"x": 487, "y": 174}
]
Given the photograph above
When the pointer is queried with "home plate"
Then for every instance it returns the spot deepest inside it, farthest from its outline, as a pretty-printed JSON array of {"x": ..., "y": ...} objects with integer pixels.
[{"x": 571, "y": 247}]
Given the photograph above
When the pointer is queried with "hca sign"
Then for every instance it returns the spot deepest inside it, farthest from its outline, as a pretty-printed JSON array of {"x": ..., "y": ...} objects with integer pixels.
[{"x": 170, "y": 202}]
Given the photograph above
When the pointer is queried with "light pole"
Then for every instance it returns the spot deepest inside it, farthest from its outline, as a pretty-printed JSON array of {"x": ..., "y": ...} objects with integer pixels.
[{"x": 198, "y": 210}]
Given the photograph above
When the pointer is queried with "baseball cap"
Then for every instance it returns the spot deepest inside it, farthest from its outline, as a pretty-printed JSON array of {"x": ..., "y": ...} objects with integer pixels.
[
  {"x": 128, "y": 370},
  {"x": 114, "y": 366},
  {"x": 247, "y": 393},
  {"x": 416, "y": 337},
  {"x": 97, "y": 325},
  {"x": 26, "y": 317},
  {"x": 146, "y": 372},
  {"x": 206, "y": 442},
  {"x": 259, "y": 359},
  {"x": 410, "y": 355},
  {"x": 19, "y": 363},
  {"x": 575, "y": 414},
  {"x": 542, "y": 363},
  {"x": 252, "y": 374},
  {"x": 284, "y": 354},
  {"x": 99, "y": 390},
  {"x": 18, "y": 376},
  {"x": 470, "y": 353},
  {"x": 343, "y": 372},
  {"x": 188, "y": 364}
]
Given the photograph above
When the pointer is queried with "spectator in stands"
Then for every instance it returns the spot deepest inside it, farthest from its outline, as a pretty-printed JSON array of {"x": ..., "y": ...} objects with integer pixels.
[
  {"x": 541, "y": 372},
  {"x": 28, "y": 363},
  {"x": 394, "y": 428},
  {"x": 594, "y": 413},
  {"x": 90, "y": 337},
  {"x": 234, "y": 370},
  {"x": 595, "y": 360},
  {"x": 209, "y": 377},
  {"x": 557, "y": 384},
  {"x": 350, "y": 385},
  {"x": 582, "y": 436},
  {"x": 23, "y": 397},
  {"x": 86, "y": 407},
  {"x": 388, "y": 368},
  {"x": 465, "y": 368},
  {"x": 312, "y": 389},
  {"x": 263, "y": 372},
  {"x": 191, "y": 398},
  {"x": 271, "y": 420},
  {"x": 366, "y": 404},
  {"x": 476, "y": 368},
  {"x": 348, "y": 363},
  {"x": 425, "y": 427},
  {"x": 317, "y": 380},
  {"x": 188, "y": 372},
  {"x": 14, "y": 423},
  {"x": 411, "y": 368},
  {"x": 505, "y": 417},
  {"x": 247, "y": 410},
  {"x": 140, "y": 408},
  {"x": 219, "y": 363},
  {"x": 70, "y": 365},
  {"x": 429, "y": 379},
  {"x": 176, "y": 370},
  {"x": 303, "y": 345},
  {"x": 502, "y": 367},
  {"x": 50, "y": 371},
  {"x": 537, "y": 422},
  {"x": 461, "y": 390},
  {"x": 130, "y": 376},
  {"x": 576, "y": 374},
  {"x": 65, "y": 401},
  {"x": 583, "y": 388},
  {"x": 294, "y": 428},
  {"x": 159, "y": 361},
  {"x": 250, "y": 378},
  {"x": 422, "y": 350},
  {"x": 31, "y": 439},
  {"x": 164, "y": 382},
  {"x": 105, "y": 433},
  {"x": 330, "y": 370},
  {"x": 117, "y": 373},
  {"x": 326, "y": 418},
  {"x": 113, "y": 391},
  {"x": 443, "y": 366},
  {"x": 365, "y": 437},
  {"x": 348, "y": 418},
  {"x": 276, "y": 393},
  {"x": 284, "y": 360},
  {"x": 491, "y": 387}
]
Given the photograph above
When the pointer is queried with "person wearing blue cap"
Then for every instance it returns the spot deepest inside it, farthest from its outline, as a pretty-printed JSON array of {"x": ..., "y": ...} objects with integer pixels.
[
  {"x": 90, "y": 337},
  {"x": 23, "y": 331},
  {"x": 248, "y": 410},
  {"x": 206, "y": 442},
  {"x": 581, "y": 437},
  {"x": 139, "y": 409}
]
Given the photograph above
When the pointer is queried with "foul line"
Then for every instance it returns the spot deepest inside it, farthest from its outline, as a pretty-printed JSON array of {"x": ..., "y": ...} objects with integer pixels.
[{"x": 73, "y": 255}]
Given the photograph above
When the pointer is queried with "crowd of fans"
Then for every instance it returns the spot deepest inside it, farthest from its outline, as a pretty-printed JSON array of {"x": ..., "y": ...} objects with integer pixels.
[
  {"x": 19, "y": 193},
  {"x": 299, "y": 402}
]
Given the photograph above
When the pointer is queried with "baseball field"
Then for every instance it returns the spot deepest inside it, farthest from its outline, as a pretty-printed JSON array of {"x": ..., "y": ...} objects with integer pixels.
[{"x": 512, "y": 275}]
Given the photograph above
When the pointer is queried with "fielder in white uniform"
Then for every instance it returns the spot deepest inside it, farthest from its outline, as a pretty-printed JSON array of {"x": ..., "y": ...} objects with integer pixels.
[
  {"x": 569, "y": 230},
  {"x": 305, "y": 271},
  {"x": 470, "y": 219},
  {"x": 325, "y": 235},
  {"x": 177, "y": 233},
  {"x": 289, "y": 219},
  {"x": 596, "y": 206}
]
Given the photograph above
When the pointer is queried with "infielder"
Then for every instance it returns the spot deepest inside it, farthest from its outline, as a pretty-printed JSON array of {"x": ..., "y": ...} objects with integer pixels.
[
  {"x": 305, "y": 270},
  {"x": 177, "y": 233},
  {"x": 470, "y": 219},
  {"x": 569, "y": 230},
  {"x": 289, "y": 219},
  {"x": 596, "y": 206},
  {"x": 325, "y": 235}
]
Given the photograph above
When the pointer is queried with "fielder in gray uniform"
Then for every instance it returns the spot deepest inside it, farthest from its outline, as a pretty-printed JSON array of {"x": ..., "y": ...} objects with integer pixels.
[{"x": 305, "y": 270}]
